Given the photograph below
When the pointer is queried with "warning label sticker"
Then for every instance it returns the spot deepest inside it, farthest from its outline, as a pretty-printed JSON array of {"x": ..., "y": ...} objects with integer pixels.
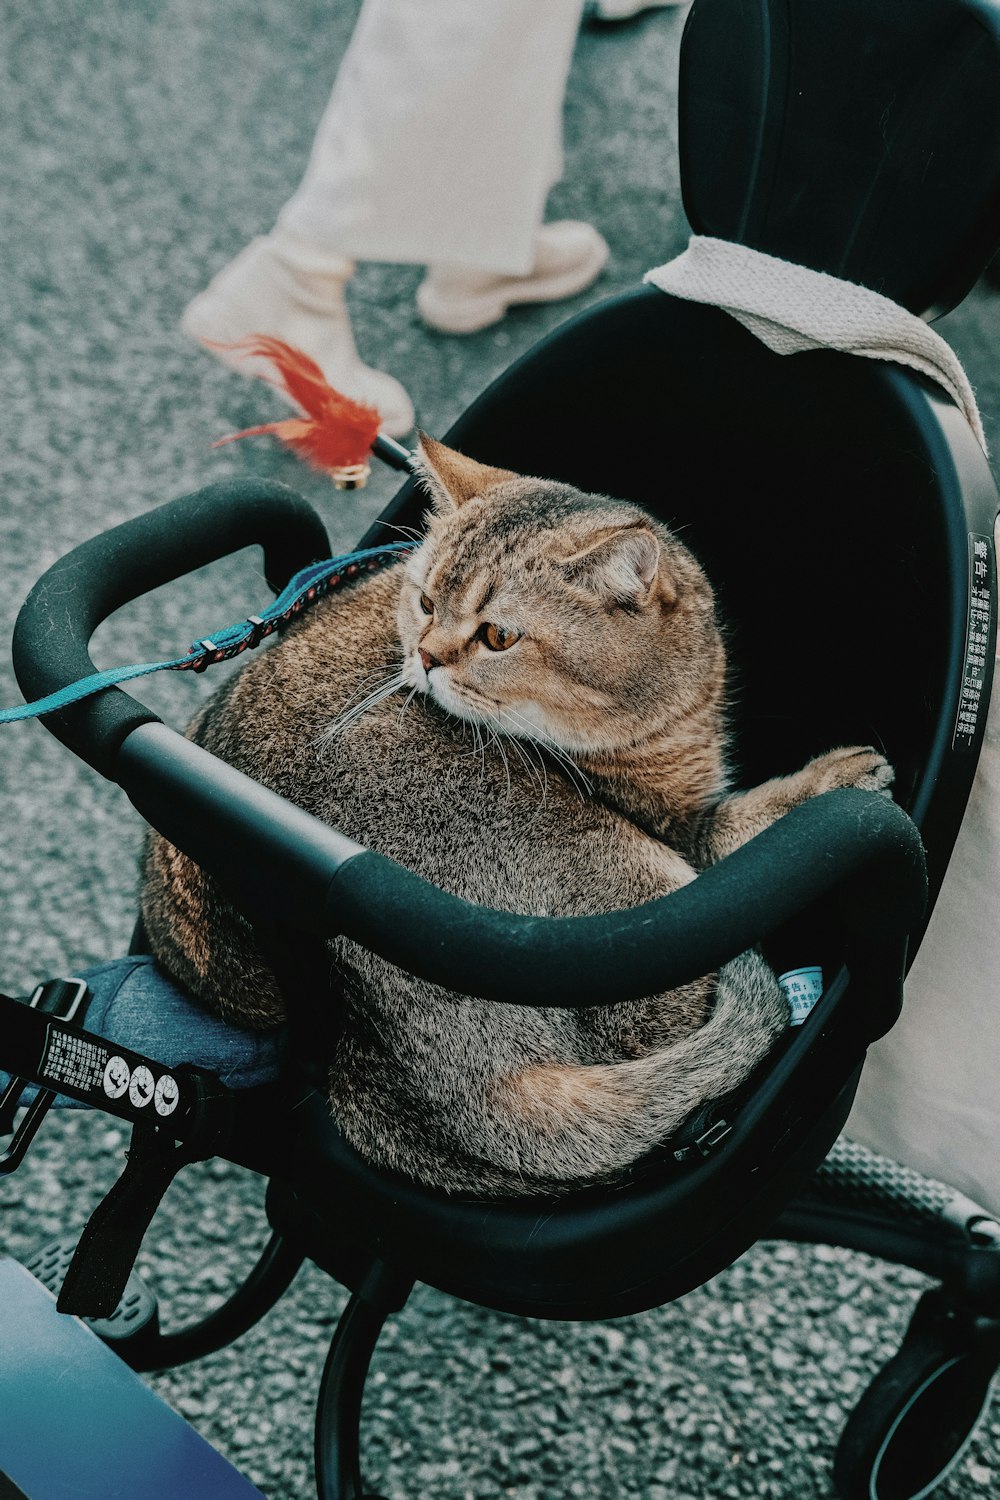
[
  {"x": 74, "y": 1060},
  {"x": 972, "y": 704},
  {"x": 91, "y": 1066}
]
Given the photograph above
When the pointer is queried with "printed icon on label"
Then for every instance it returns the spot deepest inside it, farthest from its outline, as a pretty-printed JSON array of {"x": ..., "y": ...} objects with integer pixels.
[
  {"x": 117, "y": 1075},
  {"x": 166, "y": 1096},
  {"x": 141, "y": 1088}
]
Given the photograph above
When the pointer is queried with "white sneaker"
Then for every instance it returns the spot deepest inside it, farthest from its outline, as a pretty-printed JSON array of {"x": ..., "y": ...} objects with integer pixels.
[
  {"x": 294, "y": 291},
  {"x": 569, "y": 256},
  {"x": 626, "y": 10}
]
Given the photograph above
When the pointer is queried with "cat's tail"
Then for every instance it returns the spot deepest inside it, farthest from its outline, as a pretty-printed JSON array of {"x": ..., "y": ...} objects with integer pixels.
[{"x": 584, "y": 1122}]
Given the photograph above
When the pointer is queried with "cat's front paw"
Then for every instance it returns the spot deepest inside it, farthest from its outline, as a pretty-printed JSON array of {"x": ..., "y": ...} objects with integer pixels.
[{"x": 856, "y": 765}]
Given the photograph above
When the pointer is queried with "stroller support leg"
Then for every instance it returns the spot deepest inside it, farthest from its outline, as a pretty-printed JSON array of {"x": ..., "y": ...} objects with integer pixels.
[
  {"x": 338, "y": 1413},
  {"x": 266, "y": 1283},
  {"x": 913, "y": 1423}
]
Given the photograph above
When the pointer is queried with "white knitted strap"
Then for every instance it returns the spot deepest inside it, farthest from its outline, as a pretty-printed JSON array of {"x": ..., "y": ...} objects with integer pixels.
[{"x": 791, "y": 308}]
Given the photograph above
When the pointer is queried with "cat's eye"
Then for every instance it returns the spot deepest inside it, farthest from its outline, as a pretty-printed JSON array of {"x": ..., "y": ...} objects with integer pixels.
[
  {"x": 427, "y": 605},
  {"x": 497, "y": 638}
]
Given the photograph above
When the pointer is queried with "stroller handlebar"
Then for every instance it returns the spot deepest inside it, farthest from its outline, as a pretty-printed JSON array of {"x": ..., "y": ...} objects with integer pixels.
[
  {"x": 853, "y": 840},
  {"x": 66, "y": 605},
  {"x": 281, "y": 863}
]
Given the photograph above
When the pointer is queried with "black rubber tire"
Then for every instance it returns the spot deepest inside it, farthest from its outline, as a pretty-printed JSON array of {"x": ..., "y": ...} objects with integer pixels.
[{"x": 918, "y": 1414}]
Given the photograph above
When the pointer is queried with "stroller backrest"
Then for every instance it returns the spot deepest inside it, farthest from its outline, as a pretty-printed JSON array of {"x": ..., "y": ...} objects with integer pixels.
[{"x": 858, "y": 137}]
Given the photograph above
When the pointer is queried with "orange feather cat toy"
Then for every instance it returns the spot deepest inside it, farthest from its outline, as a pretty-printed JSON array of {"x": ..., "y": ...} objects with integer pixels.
[{"x": 335, "y": 434}]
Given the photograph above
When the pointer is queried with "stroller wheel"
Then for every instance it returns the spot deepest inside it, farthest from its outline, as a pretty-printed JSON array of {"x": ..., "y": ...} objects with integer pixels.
[{"x": 917, "y": 1416}]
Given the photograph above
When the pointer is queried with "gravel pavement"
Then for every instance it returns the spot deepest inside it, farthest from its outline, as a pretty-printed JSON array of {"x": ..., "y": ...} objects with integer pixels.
[{"x": 141, "y": 144}]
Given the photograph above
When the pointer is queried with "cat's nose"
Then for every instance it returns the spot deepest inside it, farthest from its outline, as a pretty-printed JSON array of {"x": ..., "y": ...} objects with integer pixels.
[{"x": 427, "y": 659}]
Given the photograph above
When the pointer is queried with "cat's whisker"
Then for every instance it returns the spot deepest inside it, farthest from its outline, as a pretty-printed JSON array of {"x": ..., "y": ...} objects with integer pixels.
[
  {"x": 344, "y": 720},
  {"x": 543, "y": 773},
  {"x": 582, "y": 782},
  {"x": 468, "y": 724},
  {"x": 365, "y": 685},
  {"x": 406, "y": 703},
  {"x": 578, "y": 778},
  {"x": 356, "y": 710},
  {"x": 576, "y": 775},
  {"x": 521, "y": 750},
  {"x": 413, "y": 532},
  {"x": 525, "y": 744},
  {"x": 496, "y": 739},
  {"x": 521, "y": 725},
  {"x": 494, "y": 742}
]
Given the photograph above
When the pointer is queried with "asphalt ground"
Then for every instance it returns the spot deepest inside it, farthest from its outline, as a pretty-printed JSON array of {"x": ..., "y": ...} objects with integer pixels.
[{"x": 141, "y": 144}]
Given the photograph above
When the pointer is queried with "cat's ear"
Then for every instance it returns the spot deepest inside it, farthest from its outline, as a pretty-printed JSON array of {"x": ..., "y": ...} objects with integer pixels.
[
  {"x": 451, "y": 478},
  {"x": 621, "y": 567}
]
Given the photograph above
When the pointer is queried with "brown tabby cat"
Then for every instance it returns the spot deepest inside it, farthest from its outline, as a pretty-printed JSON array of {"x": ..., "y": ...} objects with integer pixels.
[{"x": 561, "y": 751}]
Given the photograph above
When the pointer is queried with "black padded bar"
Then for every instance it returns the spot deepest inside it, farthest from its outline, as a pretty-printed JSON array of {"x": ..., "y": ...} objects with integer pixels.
[
  {"x": 69, "y": 601},
  {"x": 279, "y": 862},
  {"x": 275, "y": 860},
  {"x": 856, "y": 841}
]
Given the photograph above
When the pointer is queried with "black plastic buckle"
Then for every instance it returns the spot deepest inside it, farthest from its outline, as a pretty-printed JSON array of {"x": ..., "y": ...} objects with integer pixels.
[
  {"x": 257, "y": 631},
  {"x": 61, "y": 997},
  {"x": 208, "y": 650},
  {"x": 704, "y": 1143}
]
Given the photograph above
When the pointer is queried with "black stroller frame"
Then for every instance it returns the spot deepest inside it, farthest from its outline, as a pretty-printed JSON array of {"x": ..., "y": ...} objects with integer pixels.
[{"x": 898, "y": 491}]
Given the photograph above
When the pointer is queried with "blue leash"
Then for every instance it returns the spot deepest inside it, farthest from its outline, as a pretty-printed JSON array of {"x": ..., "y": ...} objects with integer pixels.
[{"x": 308, "y": 585}]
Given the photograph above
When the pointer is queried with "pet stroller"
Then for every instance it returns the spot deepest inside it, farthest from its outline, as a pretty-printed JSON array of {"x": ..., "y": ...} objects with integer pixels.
[{"x": 838, "y": 505}]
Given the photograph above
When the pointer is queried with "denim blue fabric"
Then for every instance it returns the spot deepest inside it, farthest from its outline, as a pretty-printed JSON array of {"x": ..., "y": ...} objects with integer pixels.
[{"x": 135, "y": 1004}]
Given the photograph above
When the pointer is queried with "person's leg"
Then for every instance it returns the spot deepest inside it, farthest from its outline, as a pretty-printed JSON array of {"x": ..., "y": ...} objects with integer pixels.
[
  {"x": 443, "y": 134},
  {"x": 294, "y": 291},
  {"x": 439, "y": 145}
]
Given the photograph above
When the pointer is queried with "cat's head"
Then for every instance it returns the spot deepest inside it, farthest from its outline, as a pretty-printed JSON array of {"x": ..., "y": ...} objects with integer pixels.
[{"x": 571, "y": 618}]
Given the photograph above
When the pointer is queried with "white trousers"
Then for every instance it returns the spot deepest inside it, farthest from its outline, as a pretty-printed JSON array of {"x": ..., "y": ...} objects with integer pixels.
[{"x": 443, "y": 134}]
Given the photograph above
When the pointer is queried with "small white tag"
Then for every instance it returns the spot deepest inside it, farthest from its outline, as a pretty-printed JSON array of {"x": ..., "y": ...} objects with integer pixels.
[{"x": 802, "y": 988}]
